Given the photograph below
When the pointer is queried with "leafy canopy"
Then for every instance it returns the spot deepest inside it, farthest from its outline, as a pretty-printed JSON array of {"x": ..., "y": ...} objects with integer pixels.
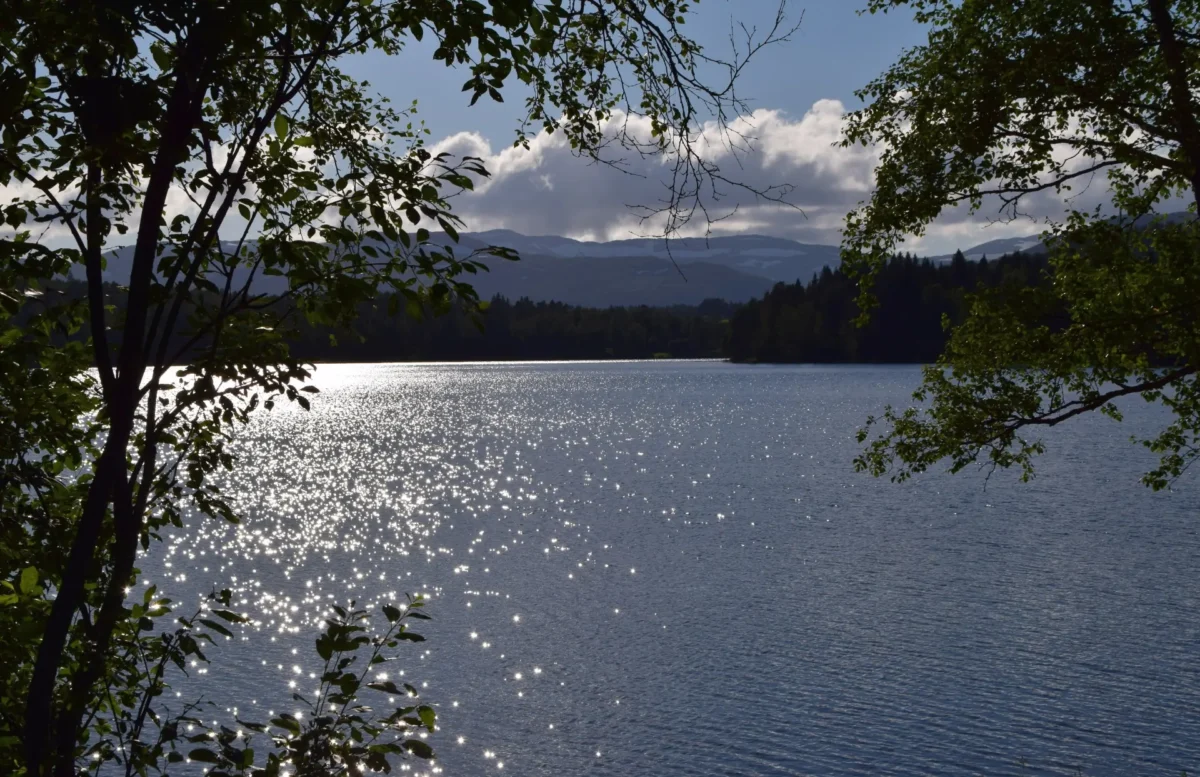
[
  {"x": 224, "y": 143},
  {"x": 1005, "y": 104}
]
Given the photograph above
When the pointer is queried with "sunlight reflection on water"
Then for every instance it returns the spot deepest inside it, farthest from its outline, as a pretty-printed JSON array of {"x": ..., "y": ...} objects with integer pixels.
[{"x": 670, "y": 569}]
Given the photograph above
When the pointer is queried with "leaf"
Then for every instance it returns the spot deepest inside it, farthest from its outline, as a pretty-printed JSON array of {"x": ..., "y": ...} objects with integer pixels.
[
  {"x": 281, "y": 125},
  {"x": 217, "y": 627},
  {"x": 349, "y": 684},
  {"x": 29, "y": 580},
  {"x": 161, "y": 56},
  {"x": 377, "y": 762},
  {"x": 204, "y": 756},
  {"x": 428, "y": 717},
  {"x": 392, "y": 613},
  {"x": 386, "y": 686},
  {"x": 232, "y": 617},
  {"x": 286, "y": 722},
  {"x": 418, "y": 748}
]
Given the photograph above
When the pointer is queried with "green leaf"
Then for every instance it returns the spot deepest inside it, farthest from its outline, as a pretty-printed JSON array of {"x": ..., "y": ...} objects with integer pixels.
[
  {"x": 286, "y": 722},
  {"x": 29, "y": 580},
  {"x": 418, "y": 748},
  {"x": 428, "y": 717},
  {"x": 161, "y": 56},
  {"x": 281, "y": 125}
]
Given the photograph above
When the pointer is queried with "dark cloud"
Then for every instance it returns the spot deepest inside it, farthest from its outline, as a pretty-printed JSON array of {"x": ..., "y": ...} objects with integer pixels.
[{"x": 547, "y": 189}]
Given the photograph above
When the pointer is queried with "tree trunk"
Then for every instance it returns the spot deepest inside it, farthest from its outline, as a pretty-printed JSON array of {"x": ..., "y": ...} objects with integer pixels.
[
  {"x": 1179, "y": 90},
  {"x": 111, "y": 483}
]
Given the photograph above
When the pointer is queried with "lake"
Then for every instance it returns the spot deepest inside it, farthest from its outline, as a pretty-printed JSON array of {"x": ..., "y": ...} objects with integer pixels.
[{"x": 671, "y": 569}]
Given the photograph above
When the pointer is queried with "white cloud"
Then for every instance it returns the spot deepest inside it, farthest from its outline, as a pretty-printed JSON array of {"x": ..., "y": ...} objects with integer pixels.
[{"x": 547, "y": 189}]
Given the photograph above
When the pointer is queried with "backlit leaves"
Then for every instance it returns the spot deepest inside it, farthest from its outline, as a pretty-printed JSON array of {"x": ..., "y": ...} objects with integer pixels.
[{"x": 1005, "y": 102}]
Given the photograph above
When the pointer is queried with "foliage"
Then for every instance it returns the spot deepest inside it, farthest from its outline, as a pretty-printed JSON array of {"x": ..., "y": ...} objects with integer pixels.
[
  {"x": 338, "y": 734},
  {"x": 525, "y": 330},
  {"x": 501, "y": 330},
  {"x": 916, "y": 299},
  {"x": 226, "y": 142},
  {"x": 1008, "y": 102}
]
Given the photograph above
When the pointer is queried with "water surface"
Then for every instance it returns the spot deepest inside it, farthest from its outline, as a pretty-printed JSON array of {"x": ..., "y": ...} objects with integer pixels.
[{"x": 671, "y": 569}]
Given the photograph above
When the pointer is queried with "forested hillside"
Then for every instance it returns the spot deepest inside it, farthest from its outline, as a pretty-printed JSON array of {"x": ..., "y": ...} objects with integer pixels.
[
  {"x": 505, "y": 331},
  {"x": 815, "y": 321},
  {"x": 525, "y": 330},
  {"x": 797, "y": 322}
]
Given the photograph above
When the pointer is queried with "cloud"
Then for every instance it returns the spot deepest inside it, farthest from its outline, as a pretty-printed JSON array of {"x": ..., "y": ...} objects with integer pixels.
[{"x": 547, "y": 189}]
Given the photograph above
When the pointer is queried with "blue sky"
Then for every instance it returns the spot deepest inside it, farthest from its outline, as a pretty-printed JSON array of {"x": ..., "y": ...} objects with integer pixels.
[
  {"x": 835, "y": 52},
  {"x": 799, "y": 91}
]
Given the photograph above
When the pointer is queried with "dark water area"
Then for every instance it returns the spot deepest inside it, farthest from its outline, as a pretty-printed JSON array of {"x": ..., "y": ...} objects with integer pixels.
[{"x": 670, "y": 568}]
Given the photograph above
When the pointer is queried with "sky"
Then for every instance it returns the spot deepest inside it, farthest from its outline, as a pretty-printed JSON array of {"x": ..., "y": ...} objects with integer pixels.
[
  {"x": 834, "y": 52},
  {"x": 799, "y": 92}
]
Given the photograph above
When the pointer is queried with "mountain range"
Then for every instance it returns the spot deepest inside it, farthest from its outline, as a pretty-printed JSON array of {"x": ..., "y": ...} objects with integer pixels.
[
  {"x": 643, "y": 271},
  {"x": 1032, "y": 244}
]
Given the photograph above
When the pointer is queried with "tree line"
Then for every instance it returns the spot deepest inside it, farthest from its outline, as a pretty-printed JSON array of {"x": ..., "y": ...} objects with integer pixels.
[
  {"x": 522, "y": 331},
  {"x": 792, "y": 323},
  {"x": 818, "y": 321}
]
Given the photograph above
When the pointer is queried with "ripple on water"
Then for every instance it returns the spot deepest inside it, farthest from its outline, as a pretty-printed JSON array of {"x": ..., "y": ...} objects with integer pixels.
[{"x": 669, "y": 569}]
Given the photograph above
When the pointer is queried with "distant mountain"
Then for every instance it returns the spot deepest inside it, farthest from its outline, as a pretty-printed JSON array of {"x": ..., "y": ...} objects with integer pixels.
[
  {"x": 604, "y": 282},
  {"x": 775, "y": 258},
  {"x": 644, "y": 271},
  {"x": 594, "y": 281},
  {"x": 1032, "y": 244},
  {"x": 622, "y": 272}
]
